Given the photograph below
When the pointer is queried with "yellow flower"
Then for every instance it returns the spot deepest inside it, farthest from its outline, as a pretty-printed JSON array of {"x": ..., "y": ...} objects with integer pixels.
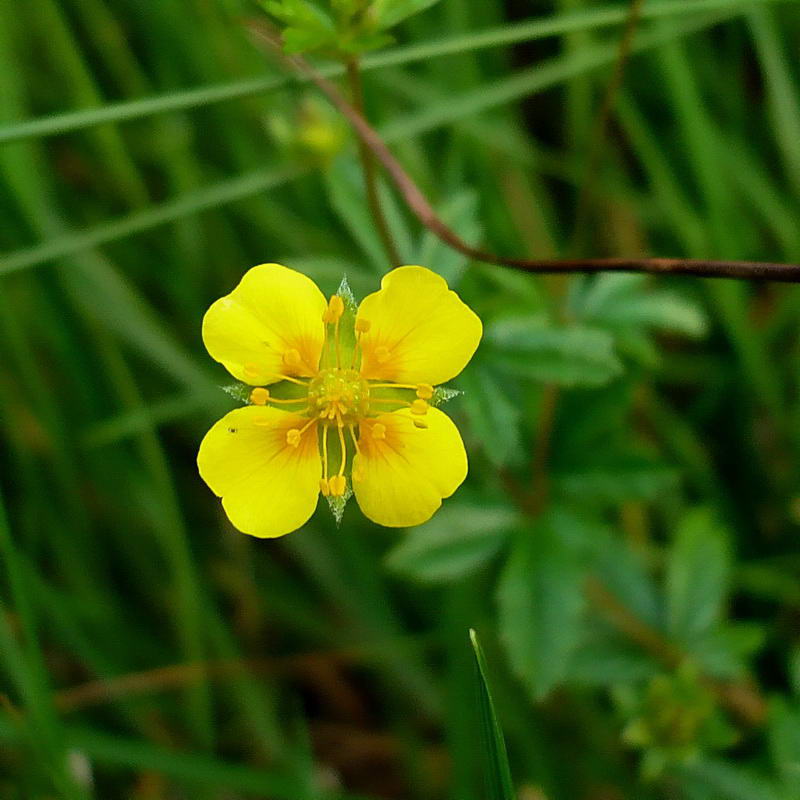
[{"x": 341, "y": 399}]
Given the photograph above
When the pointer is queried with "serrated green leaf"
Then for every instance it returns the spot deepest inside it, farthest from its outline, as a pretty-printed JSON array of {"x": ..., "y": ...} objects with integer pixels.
[
  {"x": 458, "y": 540},
  {"x": 497, "y": 772},
  {"x": 540, "y": 604},
  {"x": 493, "y": 418},
  {"x": 570, "y": 356},
  {"x": 626, "y": 577},
  {"x": 698, "y": 575}
]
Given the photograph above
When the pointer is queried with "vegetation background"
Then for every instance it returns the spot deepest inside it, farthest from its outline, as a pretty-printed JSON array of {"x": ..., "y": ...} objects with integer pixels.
[{"x": 626, "y": 542}]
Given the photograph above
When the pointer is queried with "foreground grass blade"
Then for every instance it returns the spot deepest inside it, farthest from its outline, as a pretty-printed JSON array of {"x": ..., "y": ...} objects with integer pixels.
[{"x": 496, "y": 770}]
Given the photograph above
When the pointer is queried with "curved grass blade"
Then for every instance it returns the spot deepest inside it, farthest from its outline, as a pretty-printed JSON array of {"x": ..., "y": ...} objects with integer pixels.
[{"x": 497, "y": 772}]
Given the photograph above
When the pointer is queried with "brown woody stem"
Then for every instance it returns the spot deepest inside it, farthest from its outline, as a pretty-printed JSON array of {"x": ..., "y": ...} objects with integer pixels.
[{"x": 422, "y": 209}]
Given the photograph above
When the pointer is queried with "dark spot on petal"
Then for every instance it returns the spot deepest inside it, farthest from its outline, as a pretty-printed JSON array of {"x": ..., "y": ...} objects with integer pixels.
[{"x": 233, "y": 430}]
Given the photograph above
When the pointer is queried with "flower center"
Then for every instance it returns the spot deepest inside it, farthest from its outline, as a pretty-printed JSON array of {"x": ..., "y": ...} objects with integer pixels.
[{"x": 338, "y": 394}]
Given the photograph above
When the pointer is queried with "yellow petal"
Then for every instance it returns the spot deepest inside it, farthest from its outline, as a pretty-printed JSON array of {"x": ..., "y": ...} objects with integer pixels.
[
  {"x": 268, "y": 488},
  {"x": 419, "y": 331},
  {"x": 403, "y": 472},
  {"x": 269, "y": 325}
]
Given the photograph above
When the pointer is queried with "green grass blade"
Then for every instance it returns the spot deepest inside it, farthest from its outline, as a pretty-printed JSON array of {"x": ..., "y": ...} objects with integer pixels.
[
  {"x": 528, "y": 30},
  {"x": 191, "y": 203},
  {"x": 497, "y": 771}
]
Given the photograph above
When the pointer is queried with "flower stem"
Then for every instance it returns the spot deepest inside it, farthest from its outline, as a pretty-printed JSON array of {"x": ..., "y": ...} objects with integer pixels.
[{"x": 368, "y": 168}]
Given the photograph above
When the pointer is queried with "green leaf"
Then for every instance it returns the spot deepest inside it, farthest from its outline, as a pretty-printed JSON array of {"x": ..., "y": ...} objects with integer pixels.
[
  {"x": 345, "y": 187},
  {"x": 783, "y": 737},
  {"x": 617, "y": 479},
  {"x": 460, "y": 213},
  {"x": 493, "y": 418},
  {"x": 392, "y": 12},
  {"x": 541, "y": 603},
  {"x": 605, "y": 659},
  {"x": 724, "y": 651},
  {"x": 569, "y": 356},
  {"x": 698, "y": 575},
  {"x": 497, "y": 772},
  {"x": 627, "y": 301},
  {"x": 626, "y": 577},
  {"x": 729, "y": 782},
  {"x": 458, "y": 540}
]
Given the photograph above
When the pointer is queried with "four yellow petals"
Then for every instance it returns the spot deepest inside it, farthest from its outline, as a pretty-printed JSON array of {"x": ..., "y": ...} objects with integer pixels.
[{"x": 267, "y": 463}]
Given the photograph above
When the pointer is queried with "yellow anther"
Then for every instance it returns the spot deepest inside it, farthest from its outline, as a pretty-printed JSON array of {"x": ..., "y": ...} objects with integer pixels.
[
  {"x": 293, "y": 437},
  {"x": 378, "y": 431},
  {"x": 324, "y": 487},
  {"x": 338, "y": 485},
  {"x": 420, "y": 423},
  {"x": 335, "y": 309},
  {"x": 292, "y": 358},
  {"x": 425, "y": 391},
  {"x": 362, "y": 325},
  {"x": 382, "y": 354},
  {"x": 259, "y": 396},
  {"x": 251, "y": 369},
  {"x": 419, "y": 407}
]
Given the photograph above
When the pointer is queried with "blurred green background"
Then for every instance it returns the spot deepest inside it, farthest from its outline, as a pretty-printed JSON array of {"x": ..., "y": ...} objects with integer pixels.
[{"x": 626, "y": 541}]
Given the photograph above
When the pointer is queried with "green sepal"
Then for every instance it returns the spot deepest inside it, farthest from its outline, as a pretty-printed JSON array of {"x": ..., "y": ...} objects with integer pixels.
[
  {"x": 238, "y": 391},
  {"x": 346, "y": 293},
  {"x": 337, "y": 505},
  {"x": 442, "y": 394}
]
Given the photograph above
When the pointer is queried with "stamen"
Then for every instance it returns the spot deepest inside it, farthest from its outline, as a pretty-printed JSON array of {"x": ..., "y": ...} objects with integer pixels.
[
  {"x": 293, "y": 435},
  {"x": 338, "y": 485},
  {"x": 389, "y": 400},
  {"x": 362, "y": 325},
  {"x": 340, "y": 426},
  {"x": 355, "y": 347},
  {"x": 335, "y": 309},
  {"x": 353, "y": 436},
  {"x": 420, "y": 423},
  {"x": 378, "y": 431},
  {"x": 259, "y": 396},
  {"x": 324, "y": 487},
  {"x": 423, "y": 390},
  {"x": 252, "y": 369},
  {"x": 288, "y": 400},
  {"x": 292, "y": 380},
  {"x": 337, "y": 343},
  {"x": 419, "y": 407},
  {"x": 325, "y": 456}
]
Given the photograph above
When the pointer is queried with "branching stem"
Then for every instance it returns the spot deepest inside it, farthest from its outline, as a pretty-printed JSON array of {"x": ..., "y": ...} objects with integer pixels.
[{"x": 418, "y": 205}]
